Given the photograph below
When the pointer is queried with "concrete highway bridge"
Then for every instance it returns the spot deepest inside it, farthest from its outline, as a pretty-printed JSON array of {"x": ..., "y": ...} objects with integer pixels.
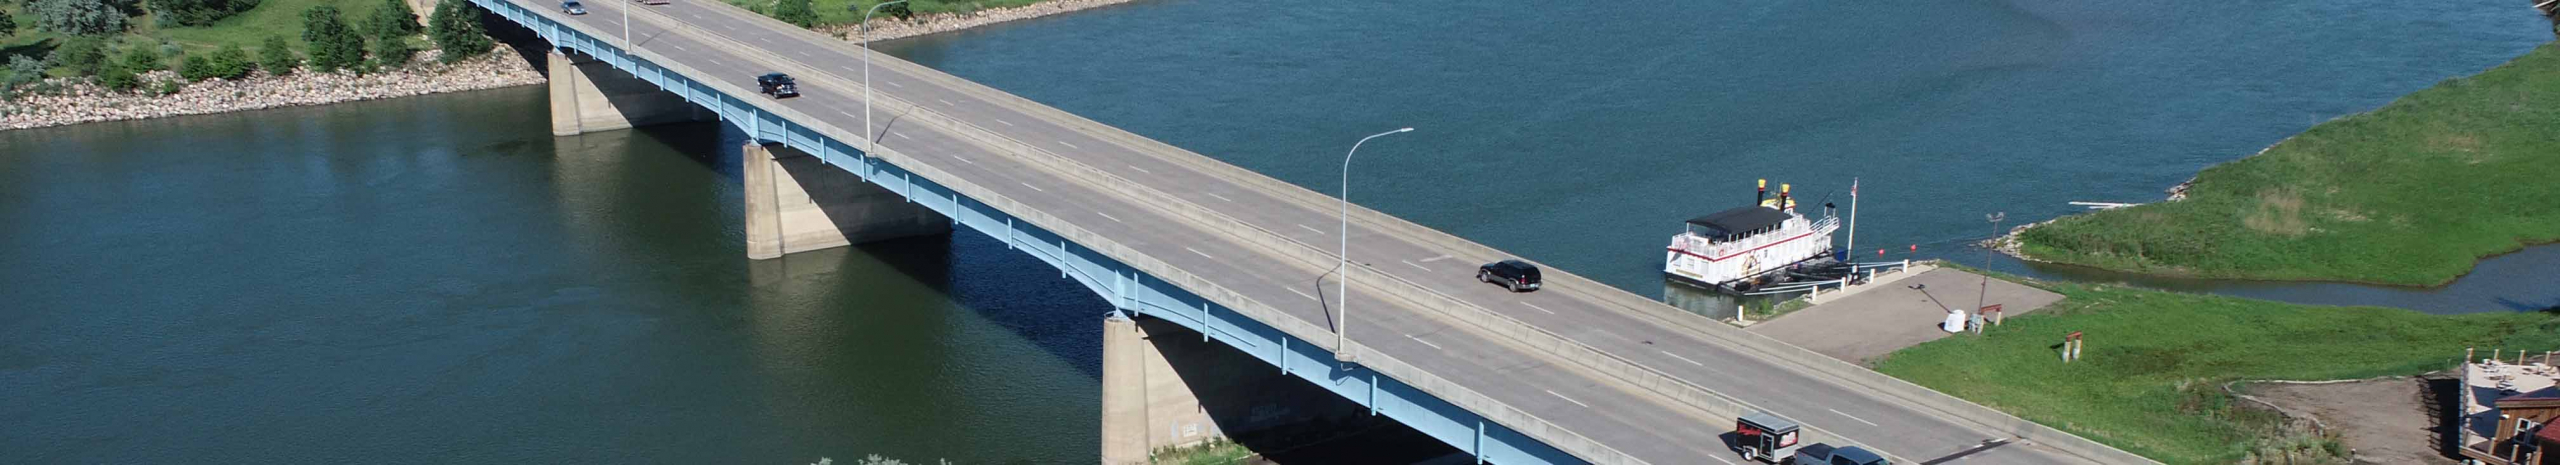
[{"x": 1579, "y": 372}]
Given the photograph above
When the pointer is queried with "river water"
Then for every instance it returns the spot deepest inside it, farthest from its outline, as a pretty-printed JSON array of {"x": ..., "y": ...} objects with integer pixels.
[{"x": 437, "y": 279}]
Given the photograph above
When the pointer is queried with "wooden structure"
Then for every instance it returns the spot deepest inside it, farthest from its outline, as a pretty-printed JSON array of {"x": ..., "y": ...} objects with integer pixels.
[{"x": 2506, "y": 405}]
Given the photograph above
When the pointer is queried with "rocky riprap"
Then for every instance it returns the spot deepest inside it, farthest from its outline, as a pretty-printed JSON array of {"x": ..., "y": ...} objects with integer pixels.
[
  {"x": 929, "y": 24},
  {"x": 79, "y": 101}
]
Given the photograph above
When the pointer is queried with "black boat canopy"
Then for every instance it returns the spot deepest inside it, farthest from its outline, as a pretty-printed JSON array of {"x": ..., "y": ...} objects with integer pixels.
[{"x": 1737, "y": 222}]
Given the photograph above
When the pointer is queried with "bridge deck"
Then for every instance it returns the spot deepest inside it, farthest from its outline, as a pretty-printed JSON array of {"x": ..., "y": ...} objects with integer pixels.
[{"x": 1645, "y": 424}]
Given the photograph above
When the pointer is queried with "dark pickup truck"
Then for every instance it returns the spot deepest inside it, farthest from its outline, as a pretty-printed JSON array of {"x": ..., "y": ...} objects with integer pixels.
[{"x": 1824, "y": 454}]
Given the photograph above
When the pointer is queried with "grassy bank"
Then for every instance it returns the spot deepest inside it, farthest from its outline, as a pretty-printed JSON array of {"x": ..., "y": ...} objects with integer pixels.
[
  {"x": 2150, "y": 375},
  {"x": 247, "y": 29},
  {"x": 2413, "y": 193}
]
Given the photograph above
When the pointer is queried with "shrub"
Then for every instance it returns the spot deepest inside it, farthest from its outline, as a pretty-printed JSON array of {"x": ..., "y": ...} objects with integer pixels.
[
  {"x": 175, "y": 13},
  {"x": 142, "y": 59},
  {"x": 23, "y": 71},
  {"x": 231, "y": 62},
  {"x": 81, "y": 55},
  {"x": 196, "y": 67},
  {"x": 392, "y": 52},
  {"x": 172, "y": 86},
  {"x": 115, "y": 77},
  {"x": 82, "y": 17},
  {"x": 333, "y": 45},
  {"x": 8, "y": 25},
  {"x": 277, "y": 56},
  {"x": 455, "y": 26},
  {"x": 796, "y": 12},
  {"x": 393, "y": 18}
]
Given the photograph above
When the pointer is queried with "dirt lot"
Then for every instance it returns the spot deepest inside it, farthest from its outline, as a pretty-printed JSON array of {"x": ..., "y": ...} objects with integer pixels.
[{"x": 2386, "y": 421}]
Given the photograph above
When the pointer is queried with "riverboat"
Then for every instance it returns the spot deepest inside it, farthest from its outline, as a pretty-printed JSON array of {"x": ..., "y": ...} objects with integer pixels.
[{"x": 1747, "y": 247}]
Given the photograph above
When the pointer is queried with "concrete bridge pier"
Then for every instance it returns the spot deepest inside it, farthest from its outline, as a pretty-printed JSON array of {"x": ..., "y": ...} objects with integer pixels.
[
  {"x": 795, "y": 203},
  {"x": 589, "y": 96},
  {"x": 1165, "y": 386}
]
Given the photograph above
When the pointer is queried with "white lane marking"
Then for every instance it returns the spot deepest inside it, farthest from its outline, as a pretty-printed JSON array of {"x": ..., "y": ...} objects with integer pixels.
[
  {"x": 804, "y": 53},
  {"x": 1113, "y": 219},
  {"x": 1141, "y": 170},
  {"x": 850, "y": 68},
  {"x": 1615, "y": 335},
  {"x": 894, "y": 84},
  {"x": 679, "y": 48},
  {"x": 1036, "y": 188},
  {"x": 1566, "y": 399},
  {"x": 1542, "y": 309},
  {"x": 1436, "y": 258},
  {"x": 1860, "y": 420},
  {"x": 946, "y": 103},
  {"x": 1302, "y": 294},
  {"x": 1197, "y": 252},
  {"x": 717, "y": 61},
  {"x": 1415, "y": 265},
  {"x": 1721, "y": 459},
  {"x": 733, "y": 28},
  {"x": 1317, "y": 231},
  {"x": 1436, "y": 347},
  {"x": 1001, "y": 120},
  {"x": 1220, "y": 197},
  {"x": 768, "y": 40},
  {"x": 900, "y": 135},
  {"x": 1684, "y": 359},
  {"x": 1072, "y": 146},
  {"x": 847, "y": 114},
  {"x": 966, "y": 160}
]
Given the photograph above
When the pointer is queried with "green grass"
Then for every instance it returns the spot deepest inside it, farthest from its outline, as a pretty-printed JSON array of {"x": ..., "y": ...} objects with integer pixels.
[
  {"x": 2150, "y": 377},
  {"x": 2413, "y": 193},
  {"x": 1214, "y": 452},
  {"x": 841, "y": 12}
]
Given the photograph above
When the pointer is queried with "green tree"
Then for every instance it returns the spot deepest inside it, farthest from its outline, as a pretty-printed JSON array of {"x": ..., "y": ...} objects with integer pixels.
[
  {"x": 232, "y": 62},
  {"x": 115, "y": 77},
  {"x": 455, "y": 26},
  {"x": 84, "y": 17},
  {"x": 142, "y": 59},
  {"x": 333, "y": 45},
  {"x": 8, "y": 25},
  {"x": 393, "y": 51},
  {"x": 81, "y": 55},
  {"x": 393, "y": 18},
  {"x": 177, "y": 13},
  {"x": 796, "y": 12},
  {"x": 277, "y": 56}
]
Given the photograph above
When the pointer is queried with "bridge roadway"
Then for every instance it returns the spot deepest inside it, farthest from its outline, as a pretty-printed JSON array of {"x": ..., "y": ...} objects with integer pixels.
[{"x": 709, "y": 35}]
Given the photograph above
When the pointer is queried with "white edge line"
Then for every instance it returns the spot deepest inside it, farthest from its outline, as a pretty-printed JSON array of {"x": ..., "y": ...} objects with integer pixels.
[
  {"x": 1542, "y": 309},
  {"x": 1852, "y": 417},
  {"x": 1566, "y": 399},
  {"x": 1427, "y": 343},
  {"x": 1198, "y": 252}
]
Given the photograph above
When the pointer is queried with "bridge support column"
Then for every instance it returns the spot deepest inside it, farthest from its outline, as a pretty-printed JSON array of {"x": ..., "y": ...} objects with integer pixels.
[
  {"x": 1163, "y": 386},
  {"x": 794, "y": 204},
  {"x": 589, "y": 96}
]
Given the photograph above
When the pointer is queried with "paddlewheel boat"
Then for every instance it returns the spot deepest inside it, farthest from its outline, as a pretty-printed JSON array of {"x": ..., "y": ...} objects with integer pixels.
[{"x": 1743, "y": 248}]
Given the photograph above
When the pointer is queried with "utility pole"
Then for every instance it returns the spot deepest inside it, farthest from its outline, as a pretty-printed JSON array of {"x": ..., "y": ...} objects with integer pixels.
[{"x": 1980, "y": 297}]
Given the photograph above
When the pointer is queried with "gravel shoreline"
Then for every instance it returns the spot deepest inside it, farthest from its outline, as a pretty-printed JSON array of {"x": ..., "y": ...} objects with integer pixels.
[
  {"x": 82, "y": 102},
  {"x": 78, "y": 101},
  {"x": 947, "y": 22}
]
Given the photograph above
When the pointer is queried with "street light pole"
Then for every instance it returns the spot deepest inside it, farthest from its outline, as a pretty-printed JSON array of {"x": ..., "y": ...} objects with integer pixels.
[
  {"x": 1980, "y": 296},
  {"x": 870, "y": 140},
  {"x": 1342, "y": 258}
]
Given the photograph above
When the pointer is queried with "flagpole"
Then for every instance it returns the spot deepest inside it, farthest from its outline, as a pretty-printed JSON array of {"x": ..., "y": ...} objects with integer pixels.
[{"x": 1853, "y": 215}]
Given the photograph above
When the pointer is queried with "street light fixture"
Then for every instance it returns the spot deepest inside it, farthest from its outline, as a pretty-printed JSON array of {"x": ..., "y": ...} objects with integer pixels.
[
  {"x": 1980, "y": 296},
  {"x": 1342, "y": 262},
  {"x": 870, "y": 140}
]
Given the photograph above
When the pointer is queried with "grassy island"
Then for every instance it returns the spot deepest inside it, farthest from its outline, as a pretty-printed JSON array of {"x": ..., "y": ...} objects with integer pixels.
[
  {"x": 2150, "y": 378},
  {"x": 2414, "y": 193}
]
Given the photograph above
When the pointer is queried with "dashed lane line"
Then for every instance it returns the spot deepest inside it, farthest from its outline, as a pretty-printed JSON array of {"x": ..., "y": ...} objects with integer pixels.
[
  {"x": 1437, "y": 347},
  {"x": 1201, "y": 254},
  {"x": 1072, "y": 146},
  {"x": 1113, "y": 219},
  {"x": 1538, "y": 308},
  {"x": 1416, "y": 265},
  {"x": 1853, "y": 417},
  {"x": 1300, "y": 294},
  {"x": 900, "y": 135},
  {"x": 1220, "y": 197},
  {"x": 1036, "y": 188},
  {"x": 1141, "y": 170},
  {"x": 1566, "y": 399},
  {"x": 1684, "y": 359}
]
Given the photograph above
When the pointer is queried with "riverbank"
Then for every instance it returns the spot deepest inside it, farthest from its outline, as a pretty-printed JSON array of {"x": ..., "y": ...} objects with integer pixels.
[
  {"x": 2414, "y": 193},
  {"x": 935, "y": 23},
  {"x": 78, "y": 101},
  {"x": 2150, "y": 380}
]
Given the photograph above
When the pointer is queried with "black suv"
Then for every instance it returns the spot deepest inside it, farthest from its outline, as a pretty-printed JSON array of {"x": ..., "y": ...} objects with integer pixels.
[
  {"x": 1518, "y": 276},
  {"x": 777, "y": 85}
]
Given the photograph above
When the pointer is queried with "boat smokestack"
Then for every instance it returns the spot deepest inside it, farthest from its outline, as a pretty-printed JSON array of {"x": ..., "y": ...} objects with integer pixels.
[
  {"x": 1783, "y": 190},
  {"x": 1763, "y": 195}
]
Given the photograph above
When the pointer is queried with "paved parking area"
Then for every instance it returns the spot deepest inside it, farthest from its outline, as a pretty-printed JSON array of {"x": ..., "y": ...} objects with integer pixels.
[{"x": 1864, "y": 326}]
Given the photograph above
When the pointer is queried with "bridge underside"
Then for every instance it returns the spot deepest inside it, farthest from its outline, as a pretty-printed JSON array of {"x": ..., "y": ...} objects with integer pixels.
[{"x": 820, "y": 150}]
